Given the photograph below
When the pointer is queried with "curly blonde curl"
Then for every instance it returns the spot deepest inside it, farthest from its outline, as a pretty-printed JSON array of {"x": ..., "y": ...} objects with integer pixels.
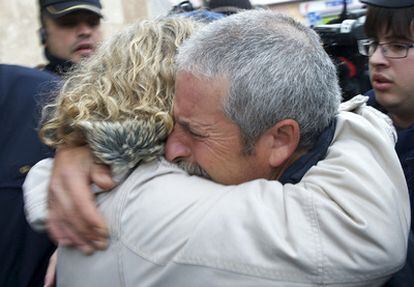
[{"x": 130, "y": 77}]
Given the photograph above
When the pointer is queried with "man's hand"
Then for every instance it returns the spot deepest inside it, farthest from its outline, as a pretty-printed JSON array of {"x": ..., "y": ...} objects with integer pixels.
[
  {"x": 50, "y": 277},
  {"x": 73, "y": 219}
]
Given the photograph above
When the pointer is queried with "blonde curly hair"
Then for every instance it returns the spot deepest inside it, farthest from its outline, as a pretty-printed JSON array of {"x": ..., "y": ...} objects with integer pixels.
[{"x": 130, "y": 79}]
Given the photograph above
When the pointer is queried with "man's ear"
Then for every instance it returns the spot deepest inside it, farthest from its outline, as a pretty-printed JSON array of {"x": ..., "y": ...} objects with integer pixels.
[
  {"x": 283, "y": 140},
  {"x": 42, "y": 35}
]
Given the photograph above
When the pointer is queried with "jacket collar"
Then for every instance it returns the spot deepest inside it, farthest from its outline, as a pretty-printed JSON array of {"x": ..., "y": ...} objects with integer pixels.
[
  {"x": 57, "y": 65},
  {"x": 297, "y": 170}
]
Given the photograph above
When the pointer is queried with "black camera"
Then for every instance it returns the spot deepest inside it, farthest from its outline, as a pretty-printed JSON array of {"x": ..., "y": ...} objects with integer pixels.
[{"x": 340, "y": 41}]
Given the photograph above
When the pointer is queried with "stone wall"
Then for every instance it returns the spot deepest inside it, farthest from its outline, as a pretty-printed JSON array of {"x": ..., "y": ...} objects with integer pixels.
[{"x": 19, "y": 24}]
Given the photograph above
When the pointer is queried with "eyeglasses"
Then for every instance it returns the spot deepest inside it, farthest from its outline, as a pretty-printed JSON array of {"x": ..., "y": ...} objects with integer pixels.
[{"x": 389, "y": 50}]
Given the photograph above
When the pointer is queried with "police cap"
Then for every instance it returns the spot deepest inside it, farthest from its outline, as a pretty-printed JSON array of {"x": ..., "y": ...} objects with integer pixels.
[
  {"x": 389, "y": 3},
  {"x": 58, "y": 8}
]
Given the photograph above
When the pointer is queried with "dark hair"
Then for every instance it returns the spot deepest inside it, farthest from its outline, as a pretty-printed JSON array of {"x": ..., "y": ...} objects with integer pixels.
[{"x": 398, "y": 22}]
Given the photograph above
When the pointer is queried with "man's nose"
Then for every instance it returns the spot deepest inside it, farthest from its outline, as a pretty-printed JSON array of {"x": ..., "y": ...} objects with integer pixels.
[
  {"x": 84, "y": 29},
  {"x": 378, "y": 58},
  {"x": 175, "y": 148}
]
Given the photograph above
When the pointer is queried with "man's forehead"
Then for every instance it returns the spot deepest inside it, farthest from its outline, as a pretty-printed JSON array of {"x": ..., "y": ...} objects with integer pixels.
[
  {"x": 188, "y": 89},
  {"x": 186, "y": 80},
  {"x": 184, "y": 87},
  {"x": 197, "y": 96},
  {"x": 199, "y": 85}
]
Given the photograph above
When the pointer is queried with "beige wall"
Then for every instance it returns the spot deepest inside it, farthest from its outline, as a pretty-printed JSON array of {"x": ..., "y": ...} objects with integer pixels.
[
  {"x": 19, "y": 41},
  {"x": 19, "y": 23},
  {"x": 292, "y": 9}
]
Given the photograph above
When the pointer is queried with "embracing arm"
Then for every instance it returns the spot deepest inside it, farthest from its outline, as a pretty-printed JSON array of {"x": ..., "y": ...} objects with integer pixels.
[{"x": 72, "y": 216}]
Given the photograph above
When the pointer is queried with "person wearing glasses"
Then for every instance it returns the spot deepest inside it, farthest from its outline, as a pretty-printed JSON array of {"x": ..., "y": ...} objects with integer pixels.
[{"x": 390, "y": 48}]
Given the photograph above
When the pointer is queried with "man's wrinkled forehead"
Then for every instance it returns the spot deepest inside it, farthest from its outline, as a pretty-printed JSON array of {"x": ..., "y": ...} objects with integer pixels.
[{"x": 217, "y": 85}]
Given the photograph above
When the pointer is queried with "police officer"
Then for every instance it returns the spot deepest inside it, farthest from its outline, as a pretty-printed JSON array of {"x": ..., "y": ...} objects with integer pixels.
[
  {"x": 390, "y": 28},
  {"x": 24, "y": 254},
  {"x": 70, "y": 31}
]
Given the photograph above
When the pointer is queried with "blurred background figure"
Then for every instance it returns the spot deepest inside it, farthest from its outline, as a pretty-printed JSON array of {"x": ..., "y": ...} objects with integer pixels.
[
  {"x": 70, "y": 31},
  {"x": 224, "y": 7},
  {"x": 24, "y": 253},
  {"x": 389, "y": 27},
  {"x": 186, "y": 9},
  {"x": 229, "y": 7}
]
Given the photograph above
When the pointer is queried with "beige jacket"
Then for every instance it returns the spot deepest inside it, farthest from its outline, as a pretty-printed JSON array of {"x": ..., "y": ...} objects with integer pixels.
[{"x": 345, "y": 224}]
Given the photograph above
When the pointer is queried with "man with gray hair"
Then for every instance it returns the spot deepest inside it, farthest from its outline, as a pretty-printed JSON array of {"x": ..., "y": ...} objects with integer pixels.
[
  {"x": 314, "y": 196},
  {"x": 254, "y": 76}
]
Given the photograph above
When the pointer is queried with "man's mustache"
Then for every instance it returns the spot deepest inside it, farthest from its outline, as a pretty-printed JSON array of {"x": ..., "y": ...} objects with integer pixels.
[{"x": 192, "y": 168}]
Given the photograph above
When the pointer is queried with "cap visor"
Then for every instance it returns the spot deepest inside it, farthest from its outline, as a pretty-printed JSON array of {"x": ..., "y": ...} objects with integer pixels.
[{"x": 58, "y": 10}]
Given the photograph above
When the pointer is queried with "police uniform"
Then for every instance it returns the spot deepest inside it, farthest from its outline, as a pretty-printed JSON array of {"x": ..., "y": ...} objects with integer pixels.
[{"x": 24, "y": 254}]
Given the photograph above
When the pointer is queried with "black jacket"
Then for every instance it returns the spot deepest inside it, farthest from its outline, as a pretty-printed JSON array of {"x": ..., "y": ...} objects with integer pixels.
[
  {"x": 405, "y": 150},
  {"x": 24, "y": 254}
]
